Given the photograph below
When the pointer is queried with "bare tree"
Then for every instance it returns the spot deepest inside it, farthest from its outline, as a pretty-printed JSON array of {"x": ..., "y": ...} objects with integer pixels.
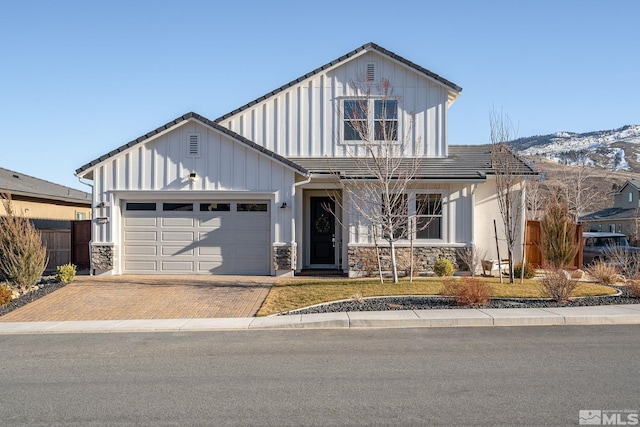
[
  {"x": 381, "y": 152},
  {"x": 582, "y": 189},
  {"x": 535, "y": 199},
  {"x": 509, "y": 182}
]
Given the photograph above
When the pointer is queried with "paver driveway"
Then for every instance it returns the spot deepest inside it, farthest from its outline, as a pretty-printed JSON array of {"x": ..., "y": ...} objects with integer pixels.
[{"x": 148, "y": 297}]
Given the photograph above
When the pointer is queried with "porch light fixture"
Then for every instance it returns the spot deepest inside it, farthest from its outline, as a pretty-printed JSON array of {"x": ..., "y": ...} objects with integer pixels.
[
  {"x": 192, "y": 176},
  {"x": 284, "y": 205}
]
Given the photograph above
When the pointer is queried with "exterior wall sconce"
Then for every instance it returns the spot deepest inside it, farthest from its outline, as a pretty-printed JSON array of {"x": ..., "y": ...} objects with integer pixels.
[
  {"x": 192, "y": 176},
  {"x": 284, "y": 205}
]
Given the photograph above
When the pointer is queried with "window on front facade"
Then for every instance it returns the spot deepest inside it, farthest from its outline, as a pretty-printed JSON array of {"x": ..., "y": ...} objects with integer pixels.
[
  {"x": 630, "y": 197},
  {"x": 428, "y": 216},
  {"x": 355, "y": 119},
  {"x": 360, "y": 116}
]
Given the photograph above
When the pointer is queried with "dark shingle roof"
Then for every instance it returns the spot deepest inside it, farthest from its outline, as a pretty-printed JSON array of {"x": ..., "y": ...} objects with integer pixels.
[
  {"x": 465, "y": 162},
  {"x": 610, "y": 214},
  {"x": 204, "y": 120},
  {"x": 368, "y": 46},
  {"x": 19, "y": 184}
]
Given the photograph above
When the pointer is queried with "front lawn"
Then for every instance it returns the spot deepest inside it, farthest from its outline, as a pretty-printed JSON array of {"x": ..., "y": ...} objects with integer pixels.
[{"x": 291, "y": 294}]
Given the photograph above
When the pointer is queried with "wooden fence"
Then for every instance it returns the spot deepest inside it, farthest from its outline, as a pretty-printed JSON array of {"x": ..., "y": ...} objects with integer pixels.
[
  {"x": 533, "y": 238},
  {"x": 68, "y": 246}
]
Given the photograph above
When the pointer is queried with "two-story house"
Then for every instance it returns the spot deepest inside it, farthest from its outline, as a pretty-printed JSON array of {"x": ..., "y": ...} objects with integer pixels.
[
  {"x": 623, "y": 217},
  {"x": 260, "y": 190}
]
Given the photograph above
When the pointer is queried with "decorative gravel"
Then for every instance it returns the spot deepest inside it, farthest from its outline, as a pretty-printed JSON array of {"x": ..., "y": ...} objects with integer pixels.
[
  {"x": 432, "y": 302},
  {"x": 45, "y": 286}
]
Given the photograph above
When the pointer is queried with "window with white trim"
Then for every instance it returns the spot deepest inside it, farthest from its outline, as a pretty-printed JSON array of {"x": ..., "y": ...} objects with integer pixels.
[
  {"x": 360, "y": 116},
  {"x": 428, "y": 224},
  {"x": 630, "y": 197}
]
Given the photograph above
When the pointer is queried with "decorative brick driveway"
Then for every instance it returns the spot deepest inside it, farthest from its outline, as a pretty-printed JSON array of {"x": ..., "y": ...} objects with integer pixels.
[{"x": 148, "y": 297}]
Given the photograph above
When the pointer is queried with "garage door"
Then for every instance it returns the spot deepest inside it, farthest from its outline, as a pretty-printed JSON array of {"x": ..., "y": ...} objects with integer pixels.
[{"x": 228, "y": 237}]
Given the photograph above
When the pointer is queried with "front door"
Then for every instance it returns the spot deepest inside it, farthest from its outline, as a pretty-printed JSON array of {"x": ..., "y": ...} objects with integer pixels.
[{"x": 323, "y": 231}]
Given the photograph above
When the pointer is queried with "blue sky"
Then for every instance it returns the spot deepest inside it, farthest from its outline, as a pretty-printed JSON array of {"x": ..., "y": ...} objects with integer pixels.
[{"x": 80, "y": 78}]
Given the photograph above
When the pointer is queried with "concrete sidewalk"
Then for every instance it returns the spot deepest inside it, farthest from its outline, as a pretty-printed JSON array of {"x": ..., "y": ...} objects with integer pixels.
[{"x": 597, "y": 315}]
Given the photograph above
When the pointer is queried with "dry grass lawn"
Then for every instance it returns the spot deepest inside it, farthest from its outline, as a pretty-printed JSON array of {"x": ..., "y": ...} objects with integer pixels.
[{"x": 291, "y": 294}]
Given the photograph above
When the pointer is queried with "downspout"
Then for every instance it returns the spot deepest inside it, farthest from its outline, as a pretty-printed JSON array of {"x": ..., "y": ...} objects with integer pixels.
[{"x": 92, "y": 270}]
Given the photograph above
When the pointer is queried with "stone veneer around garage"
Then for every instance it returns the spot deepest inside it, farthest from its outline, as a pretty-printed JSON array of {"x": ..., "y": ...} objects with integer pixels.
[
  {"x": 102, "y": 256},
  {"x": 284, "y": 258},
  {"x": 424, "y": 257}
]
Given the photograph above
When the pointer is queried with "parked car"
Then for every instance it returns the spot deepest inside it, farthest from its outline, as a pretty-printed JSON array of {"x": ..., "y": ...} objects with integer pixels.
[{"x": 598, "y": 245}]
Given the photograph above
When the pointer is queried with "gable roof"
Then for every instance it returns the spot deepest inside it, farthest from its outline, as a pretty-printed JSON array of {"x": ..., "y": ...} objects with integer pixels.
[
  {"x": 366, "y": 47},
  {"x": 19, "y": 184},
  {"x": 203, "y": 120},
  {"x": 465, "y": 162},
  {"x": 635, "y": 183}
]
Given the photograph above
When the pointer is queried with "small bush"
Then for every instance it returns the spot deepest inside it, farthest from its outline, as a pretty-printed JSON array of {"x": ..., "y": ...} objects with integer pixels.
[
  {"x": 558, "y": 285},
  {"x": 65, "y": 273},
  {"x": 529, "y": 272},
  {"x": 23, "y": 256},
  {"x": 368, "y": 262},
  {"x": 603, "y": 273},
  {"x": 5, "y": 295},
  {"x": 443, "y": 267},
  {"x": 469, "y": 291},
  {"x": 634, "y": 287}
]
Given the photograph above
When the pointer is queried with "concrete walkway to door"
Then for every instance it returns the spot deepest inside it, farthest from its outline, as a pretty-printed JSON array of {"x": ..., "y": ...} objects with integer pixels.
[{"x": 148, "y": 297}]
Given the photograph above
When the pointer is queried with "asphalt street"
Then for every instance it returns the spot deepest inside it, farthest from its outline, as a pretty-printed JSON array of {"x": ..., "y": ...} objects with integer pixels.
[{"x": 452, "y": 376}]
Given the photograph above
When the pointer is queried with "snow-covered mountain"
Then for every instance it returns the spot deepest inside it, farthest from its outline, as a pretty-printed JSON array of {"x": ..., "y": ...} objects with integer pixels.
[{"x": 617, "y": 149}]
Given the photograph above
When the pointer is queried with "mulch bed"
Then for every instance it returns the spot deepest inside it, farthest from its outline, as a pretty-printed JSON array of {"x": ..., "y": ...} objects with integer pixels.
[
  {"x": 436, "y": 302},
  {"x": 46, "y": 285}
]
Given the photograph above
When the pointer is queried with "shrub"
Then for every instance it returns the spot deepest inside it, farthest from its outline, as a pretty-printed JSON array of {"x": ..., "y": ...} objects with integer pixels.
[
  {"x": 65, "y": 273},
  {"x": 467, "y": 291},
  {"x": 368, "y": 261},
  {"x": 603, "y": 273},
  {"x": 634, "y": 288},
  {"x": 529, "y": 272},
  {"x": 558, "y": 245},
  {"x": 5, "y": 295},
  {"x": 443, "y": 267},
  {"x": 558, "y": 285},
  {"x": 403, "y": 258},
  {"x": 23, "y": 256}
]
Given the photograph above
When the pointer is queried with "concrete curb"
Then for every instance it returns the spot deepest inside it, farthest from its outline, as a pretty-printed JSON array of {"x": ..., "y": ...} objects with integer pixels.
[{"x": 596, "y": 315}]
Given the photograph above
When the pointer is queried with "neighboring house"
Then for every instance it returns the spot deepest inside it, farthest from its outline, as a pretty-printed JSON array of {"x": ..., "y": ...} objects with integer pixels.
[
  {"x": 623, "y": 217},
  {"x": 246, "y": 193},
  {"x": 53, "y": 209},
  {"x": 43, "y": 201}
]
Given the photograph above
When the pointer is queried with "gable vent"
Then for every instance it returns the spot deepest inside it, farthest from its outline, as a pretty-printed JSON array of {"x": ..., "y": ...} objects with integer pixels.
[
  {"x": 370, "y": 71},
  {"x": 193, "y": 145}
]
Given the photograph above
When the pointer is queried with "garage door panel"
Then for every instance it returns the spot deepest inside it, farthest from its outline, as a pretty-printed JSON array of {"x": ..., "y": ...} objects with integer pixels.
[
  {"x": 177, "y": 236},
  {"x": 176, "y": 250},
  {"x": 209, "y": 250},
  {"x": 140, "y": 250},
  {"x": 178, "y": 222},
  {"x": 140, "y": 236},
  {"x": 140, "y": 222},
  {"x": 205, "y": 242},
  {"x": 140, "y": 266},
  {"x": 177, "y": 266}
]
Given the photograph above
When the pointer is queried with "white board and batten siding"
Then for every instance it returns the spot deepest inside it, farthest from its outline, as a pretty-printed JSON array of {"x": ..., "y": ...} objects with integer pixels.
[
  {"x": 158, "y": 170},
  {"x": 304, "y": 120}
]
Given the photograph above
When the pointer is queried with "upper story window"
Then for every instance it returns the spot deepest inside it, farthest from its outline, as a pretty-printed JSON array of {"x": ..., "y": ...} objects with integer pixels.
[
  {"x": 360, "y": 116},
  {"x": 630, "y": 197}
]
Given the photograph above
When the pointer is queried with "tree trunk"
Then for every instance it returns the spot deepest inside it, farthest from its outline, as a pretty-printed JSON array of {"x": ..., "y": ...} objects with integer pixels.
[{"x": 394, "y": 267}]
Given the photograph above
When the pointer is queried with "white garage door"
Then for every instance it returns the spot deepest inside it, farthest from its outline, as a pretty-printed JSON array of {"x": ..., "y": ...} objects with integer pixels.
[{"x": 228, "y": 237}]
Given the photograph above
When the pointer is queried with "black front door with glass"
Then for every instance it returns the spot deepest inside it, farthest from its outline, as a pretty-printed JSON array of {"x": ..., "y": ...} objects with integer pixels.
[{"x": 323, "y": 231}]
